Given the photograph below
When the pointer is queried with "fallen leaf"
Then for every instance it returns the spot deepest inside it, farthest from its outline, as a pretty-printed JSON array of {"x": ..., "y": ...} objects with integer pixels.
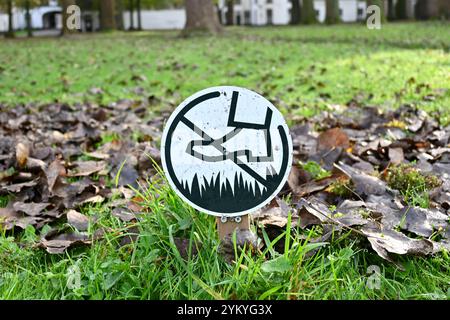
[
  {"x": 15, "y": 188},
  {"x": 333, "y": 138},
  {"x": 31, "y": 209},
  {"x": 54, "y": 171},
  {"x": 396, "y": 155},
  {"x": 78, "y": 220},
  {"x": 183, "y": 246},
  {"x": 55, "y": 242},
  {"x": 123, "y": 214},
  {"x": 390, "y": 241},
  {"x": 22, "y": 154},
  {"x": 86, "y": 168},
  {"x": 364, "y": 184},
  {"x": 244, "y": 238}
]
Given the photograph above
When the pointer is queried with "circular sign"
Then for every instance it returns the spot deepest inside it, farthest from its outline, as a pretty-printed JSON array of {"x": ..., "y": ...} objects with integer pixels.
[{"x": 226, "y": 151}]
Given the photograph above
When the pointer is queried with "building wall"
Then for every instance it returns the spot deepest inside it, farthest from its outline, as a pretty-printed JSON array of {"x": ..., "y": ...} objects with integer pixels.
[
  {"x": 37, "y": 15},
  {"x": 158, "y": 19},
  {"x": 3, "y": 22},
  {"x": 259, "y": 11}
]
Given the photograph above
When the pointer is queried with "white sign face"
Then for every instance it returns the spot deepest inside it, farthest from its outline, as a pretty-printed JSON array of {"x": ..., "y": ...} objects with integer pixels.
[{"x": 226, "y": 151}]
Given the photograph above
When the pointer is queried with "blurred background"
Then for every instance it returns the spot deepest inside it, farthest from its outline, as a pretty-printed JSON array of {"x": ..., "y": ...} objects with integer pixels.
[
  {"x": 304, "y": 55},
  {"x": 45, "y": 16}
]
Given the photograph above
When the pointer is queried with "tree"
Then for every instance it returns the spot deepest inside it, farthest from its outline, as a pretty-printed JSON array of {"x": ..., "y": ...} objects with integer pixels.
[
  {"x": 65, "y": 16},
  {"x": 401, "y": 10},
  {"x": 131, "y": 9},
  {"x": 391, "y": 10},
  {"x": 28, "y": 18},
  {"x": 201, "y": 17},
  {"x": 444, "y": 9},
  {"x": 9, "y": 8},
  {"x": 308, "y": 13},
  {"x": 27, "y": 5},
  {"x": 380, "y": 4},
  {"x": 138, "y": 9},
  {"x": 119, "y": 15},
  {"x": 332, "y": 12},
  {"x": 229, "y": 17},
  {"x": 107, "y": 14},
  {"x": 295, "y": 11},
  {"x": 427, "y": 9}
]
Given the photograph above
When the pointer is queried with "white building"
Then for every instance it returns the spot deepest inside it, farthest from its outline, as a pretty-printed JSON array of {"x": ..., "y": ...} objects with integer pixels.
[
  {"x": 158, "y": 19},
  {"x": 43, "y": 17},
  {"x": 3, "y": 22},
  {"x": 278, "y": 12}
]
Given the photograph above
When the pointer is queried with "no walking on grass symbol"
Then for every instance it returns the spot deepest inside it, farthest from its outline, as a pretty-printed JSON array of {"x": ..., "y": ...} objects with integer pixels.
[{"x": 226, "y": 151}]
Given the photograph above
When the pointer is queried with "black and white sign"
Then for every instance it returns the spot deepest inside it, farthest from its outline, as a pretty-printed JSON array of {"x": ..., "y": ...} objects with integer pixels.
[{"x": 226, "y": 151}]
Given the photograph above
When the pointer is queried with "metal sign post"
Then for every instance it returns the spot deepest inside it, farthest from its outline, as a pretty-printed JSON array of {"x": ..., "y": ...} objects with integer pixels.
[{"x": 227, "y": 152}]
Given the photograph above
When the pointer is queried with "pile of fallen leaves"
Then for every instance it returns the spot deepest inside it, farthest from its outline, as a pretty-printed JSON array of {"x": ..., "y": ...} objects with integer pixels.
[
  {"x": 349, "y": 165},
  {"x": 56, "y": 158},
  {"x": 358, "y": 169}
]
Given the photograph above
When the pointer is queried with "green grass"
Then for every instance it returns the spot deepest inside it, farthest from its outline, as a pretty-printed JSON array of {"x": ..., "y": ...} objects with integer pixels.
[
  {"x": 4, "y": 201},
  {"x": 152, "y": 268},
  {"x": 303, "y": 70},
  {"x": 412, "y": 184},
  {"x": 315, "y": 170}
]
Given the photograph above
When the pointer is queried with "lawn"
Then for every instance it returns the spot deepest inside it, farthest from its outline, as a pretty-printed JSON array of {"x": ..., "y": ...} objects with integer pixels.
[{"x": 303, "y": 70}]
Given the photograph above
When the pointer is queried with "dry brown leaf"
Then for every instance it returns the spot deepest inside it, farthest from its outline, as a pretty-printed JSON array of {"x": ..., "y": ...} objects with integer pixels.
[
  {"x": 31, "y": 209},
  {"x": 396, "y": 155},
  {"x": 390, "y": 241},
  {"x": 78, "y": 220},
  {"x": 15, "y": 188},
  {"x": 123, "y": 214},
  {"x": 54, "y": 171},
  {"x": 333, "y": 138},
  {"x": 86, "y": 168},
  {"x": 94, "y": 199},
  {"x": 55, "y": 242},
  {"x": 364, "y": 184},
  {"x": 22, "y": 154}
]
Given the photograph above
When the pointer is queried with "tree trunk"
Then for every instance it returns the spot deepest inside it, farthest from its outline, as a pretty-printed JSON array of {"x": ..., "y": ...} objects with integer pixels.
[
  {"x": 131, "y": 15},
  {"x": 107, "y": 15},
  {"x": 65, "y": 16},
  {"x": 219, "y": 13},
  {"x": 230, "y": 13},
  {"x": 332, "y": 12},
  {"x": 380, "y": 4},
  {"x": 28, "y": 18},
  {"x": 139, "y": 18},
  {"x": 201, "y": 16},
  {"x": 119, "y": 15},
  {"x": 401, "y": 10},
  {"x": 444, "y": 9},
  {"x": 10, "y": 32},
  {"x": 295, "y": 12},
  {"x": 427, "y": 9},
  {"x": 308, "y": 14},
  {"x": 391, "y": 10}
]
